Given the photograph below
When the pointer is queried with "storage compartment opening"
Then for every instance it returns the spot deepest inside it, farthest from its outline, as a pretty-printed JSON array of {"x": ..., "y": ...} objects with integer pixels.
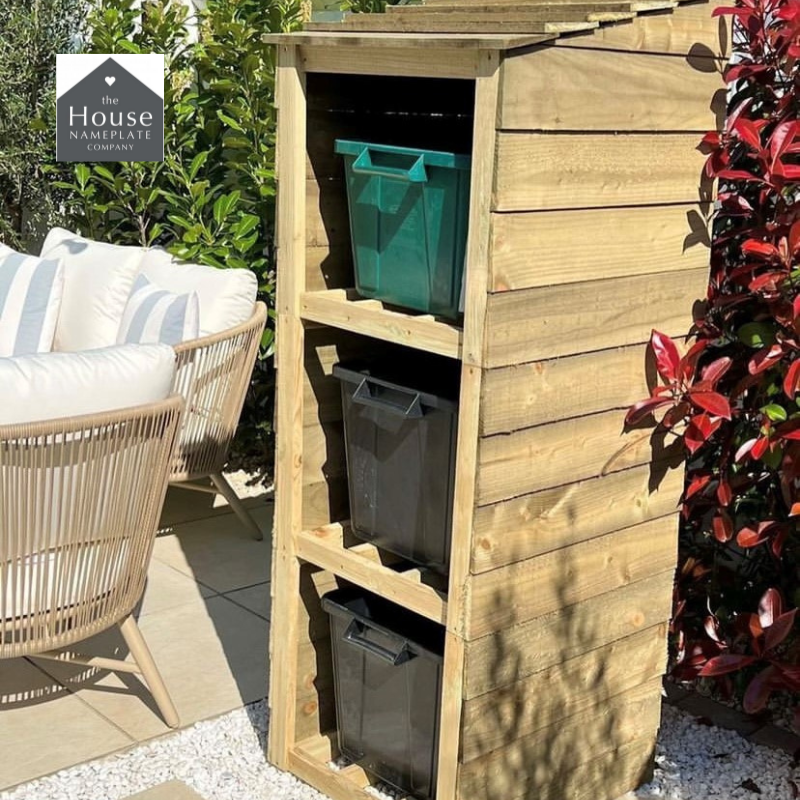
[
  {"x": 387, "y": 665},
  {"x": 317, "y": 722},
  {"x": 422, "y": 113},
  {"x": 325, "y": 486}
]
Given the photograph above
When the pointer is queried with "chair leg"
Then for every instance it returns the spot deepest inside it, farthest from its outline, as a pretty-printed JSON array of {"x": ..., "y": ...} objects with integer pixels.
[
  {"x": 226, "y": 490},
  {"x": 142, "y": 656}
]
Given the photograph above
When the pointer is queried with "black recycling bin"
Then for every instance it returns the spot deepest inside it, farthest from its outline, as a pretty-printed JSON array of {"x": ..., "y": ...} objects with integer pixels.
[
  {"x": 400, "y": 424},
  {"x": 387, "y": 666}
]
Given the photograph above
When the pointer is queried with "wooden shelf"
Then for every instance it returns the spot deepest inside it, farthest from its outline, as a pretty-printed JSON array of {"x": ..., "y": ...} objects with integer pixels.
[
  {"x": 310, "y": 760},
  {"x": 333, "y": 548},
  {"x": 345, "y": 309}
]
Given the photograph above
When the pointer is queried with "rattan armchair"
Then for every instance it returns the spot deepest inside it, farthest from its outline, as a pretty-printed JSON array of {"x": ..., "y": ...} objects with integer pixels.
[
  {"x": 80, "y": 500},
  {"x": 213, "y": 376}
]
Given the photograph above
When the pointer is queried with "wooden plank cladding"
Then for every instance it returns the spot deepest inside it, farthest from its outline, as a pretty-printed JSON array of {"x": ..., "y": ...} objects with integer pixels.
[
  {"x": 538, "y": 764},
  {"x": 564, "y": 452},
  {"x": 392, "y": 61},
  {"x": 538, "y": 324},
  {"x": 524, "y": 395},
  {"x": 540, "y": 171},
  {"x": 543, "y": 248},
  {"x": 641, "y": 92},
  {"x": 528, "y": 526},
  {"x": 547, "y": 697},
  {"x": 514, "y": 594},
  {"x": 512, "y": 654}
]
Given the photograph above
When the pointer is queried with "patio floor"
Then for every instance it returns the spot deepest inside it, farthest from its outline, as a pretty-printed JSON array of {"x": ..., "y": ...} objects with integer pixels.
[{"x": 205, "y": 616}]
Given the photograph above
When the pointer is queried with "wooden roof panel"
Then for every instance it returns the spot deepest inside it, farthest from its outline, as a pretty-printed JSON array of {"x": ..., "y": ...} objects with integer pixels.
[{"x": 484, "y": 24}]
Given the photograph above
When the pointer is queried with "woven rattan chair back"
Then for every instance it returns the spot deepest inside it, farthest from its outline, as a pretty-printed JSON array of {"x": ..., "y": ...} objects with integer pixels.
[
  {"x": 80, "y": 500},
  {"x": 213, "y": 376}
]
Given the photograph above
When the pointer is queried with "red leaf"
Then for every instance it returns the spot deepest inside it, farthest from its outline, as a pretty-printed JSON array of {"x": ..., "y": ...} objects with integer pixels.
[
  {"x": 716, "y": 369},
  {"x": 699, "y": 430},
  {"x": 783, "y": 136},
  {"x": 770, "y": 607},
  {"x": 747, "y": 537},
  {"x": 689, "y": 362},
  {"x": 711, "y": 626},
  {"x": 760, "y": 447},
  {"x": 789, "y": 430},
  {"x": 748, "y": 133},
  {"x": 698, "y": 483},
  {"x": 722, "y": 526},
  {"x": 790, "y": 382},
  {"x": 794, "y": 237},
  {"x": 713, "y": 402},
  {"x": 724, "y": 492},
  {"x": 727, "y": 662},
  {"x": 759, "y": 691},
  {"x": 765, "y": 358},
  {"x": 645, "y": 407},
  {"x": 779, "y": 630},
  {"x": 759, "y": 249},
  {"x": 667, "y": 356}
]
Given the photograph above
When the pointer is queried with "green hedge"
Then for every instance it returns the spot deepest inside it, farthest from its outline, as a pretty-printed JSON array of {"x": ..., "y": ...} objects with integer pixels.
[{"x": 211, "y": 200}]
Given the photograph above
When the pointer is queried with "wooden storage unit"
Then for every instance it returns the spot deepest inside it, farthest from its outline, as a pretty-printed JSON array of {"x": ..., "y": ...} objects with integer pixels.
[{"x": 588, "y": 227}]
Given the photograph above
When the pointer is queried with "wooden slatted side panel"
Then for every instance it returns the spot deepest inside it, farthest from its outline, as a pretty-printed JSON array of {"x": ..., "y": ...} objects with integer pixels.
[
  {"x": 529, "y": 589},
  {"x": 600, "y": 752},
  {"x": 532, "y": 249},
  {"x": 510, "y": 655},
  {"x": 543, "y": 171},
  {"x": 599, "y": 233},
  {"x": 640, "y": 92}
]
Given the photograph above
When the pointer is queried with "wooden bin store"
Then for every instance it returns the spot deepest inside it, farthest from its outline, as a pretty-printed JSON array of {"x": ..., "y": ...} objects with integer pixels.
[{"x": 588, "y": 228}]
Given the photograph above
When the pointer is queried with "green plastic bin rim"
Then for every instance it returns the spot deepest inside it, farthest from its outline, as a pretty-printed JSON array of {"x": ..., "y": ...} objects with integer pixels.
[{"x": 431, "y": 158}]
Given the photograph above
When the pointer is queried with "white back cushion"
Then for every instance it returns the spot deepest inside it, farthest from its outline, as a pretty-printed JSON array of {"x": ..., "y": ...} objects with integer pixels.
[
  {"x": 98, "y": 279},
  {"x": 226, "y": 295},
  {"x": 30, "y": 298},
  {"x": 156, "y": 315},
  {"x": 53, "y": 385}
]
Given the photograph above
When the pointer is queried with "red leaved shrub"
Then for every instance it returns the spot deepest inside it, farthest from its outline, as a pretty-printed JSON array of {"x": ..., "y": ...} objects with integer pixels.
[{"x": 733, "y": 397}]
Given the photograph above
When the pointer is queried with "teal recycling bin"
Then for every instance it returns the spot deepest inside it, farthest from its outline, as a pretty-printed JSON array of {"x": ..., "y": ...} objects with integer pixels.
[{"x": 409, "y": 213}]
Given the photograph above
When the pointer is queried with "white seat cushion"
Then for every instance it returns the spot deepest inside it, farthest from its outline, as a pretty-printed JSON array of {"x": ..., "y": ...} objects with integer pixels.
[
  {"x": 226, "y": 295},
  {"x": 53, "y": 385},
  {"x": 156, "y": 315},
  {"x": 60, "y": 573},
  {"x": 98, "y": 279},
  {"x": 30, "y": 298}
]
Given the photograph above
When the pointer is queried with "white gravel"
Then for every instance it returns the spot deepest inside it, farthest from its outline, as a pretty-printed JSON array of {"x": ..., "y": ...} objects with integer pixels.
[{"x": 223, "y": 759}]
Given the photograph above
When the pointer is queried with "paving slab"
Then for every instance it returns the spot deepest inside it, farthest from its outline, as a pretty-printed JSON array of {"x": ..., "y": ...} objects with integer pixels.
[
  {"x": 171, "y": 790},
  {"x": 211, "y": 654},
  {"x": 44, "y": 728},
  {"x": 219, "y": 552}
]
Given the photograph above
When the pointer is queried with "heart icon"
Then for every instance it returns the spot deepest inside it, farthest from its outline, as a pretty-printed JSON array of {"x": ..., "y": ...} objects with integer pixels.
[{"x": 111, "y": 80}]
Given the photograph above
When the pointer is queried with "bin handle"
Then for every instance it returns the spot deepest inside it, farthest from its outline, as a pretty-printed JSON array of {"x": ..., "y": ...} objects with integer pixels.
[
  {"x": 353, "y": 635},
  {"x": 416, "y": 173},
  {"x": 364, "y": 396}
]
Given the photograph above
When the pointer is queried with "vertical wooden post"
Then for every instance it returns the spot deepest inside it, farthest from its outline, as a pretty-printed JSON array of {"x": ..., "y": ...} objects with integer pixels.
[
  {"x": 477, "y": 272},
  {"x": 291, "y": 235}
]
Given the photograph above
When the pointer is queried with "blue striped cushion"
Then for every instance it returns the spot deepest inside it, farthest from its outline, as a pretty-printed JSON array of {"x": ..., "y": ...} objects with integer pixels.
[
  {"x": 154, "y": 315},
  {"x": 30, "y": 298}
]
